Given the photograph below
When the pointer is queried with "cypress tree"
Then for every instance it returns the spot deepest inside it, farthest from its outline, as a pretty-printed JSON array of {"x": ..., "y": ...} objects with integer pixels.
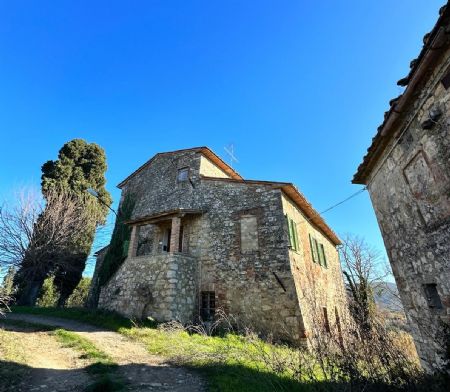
[{"x": 80, "y": 165}]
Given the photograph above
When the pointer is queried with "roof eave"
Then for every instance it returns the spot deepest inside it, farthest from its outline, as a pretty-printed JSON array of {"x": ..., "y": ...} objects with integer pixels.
[
  {"x": 312, "y": 215},
  {"x": 206, "y": 151}
]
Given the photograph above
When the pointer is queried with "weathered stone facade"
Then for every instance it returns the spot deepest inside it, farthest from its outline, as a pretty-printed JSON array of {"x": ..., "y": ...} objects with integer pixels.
[
  {"x": 407, "y": 172},
  {"x": 203, "y": 239}
]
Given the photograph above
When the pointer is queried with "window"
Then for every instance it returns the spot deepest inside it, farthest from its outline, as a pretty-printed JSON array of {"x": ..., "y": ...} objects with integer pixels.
[
  {"x": 446, "y": 81},
  {"x": 338, "y": 324},
  {"x": 249, "y": 233},
  {"x": 313, "y": 245},
  {"x": 432, "y": 296},
  {"x": 183, "y": 174},
  {"x": 208, "y": 305},
  {"x": 322, "y": 257},
  {"x": 165, "y": 243},
  {"x": 326, "y": 322},
  {"x": 293, "y": 236},
  {"x": 317, "y": 252}
]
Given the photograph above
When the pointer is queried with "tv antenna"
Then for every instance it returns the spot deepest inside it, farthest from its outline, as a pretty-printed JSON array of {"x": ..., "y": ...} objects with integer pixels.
[{"x": 230, "y": 151}]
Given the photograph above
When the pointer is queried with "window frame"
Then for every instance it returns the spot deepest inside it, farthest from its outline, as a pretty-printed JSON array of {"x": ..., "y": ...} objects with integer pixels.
[
  {"x": 313, "y": 248},
  {"x": 207, "y": 313},
  {"x": 432, "y": 296},
  {"x": 182, "y": 170},
  {"x": 317, "y": 249}
]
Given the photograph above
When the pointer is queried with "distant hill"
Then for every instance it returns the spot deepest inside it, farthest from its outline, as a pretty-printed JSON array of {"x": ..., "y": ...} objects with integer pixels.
[{"x": 386, "y": 297}]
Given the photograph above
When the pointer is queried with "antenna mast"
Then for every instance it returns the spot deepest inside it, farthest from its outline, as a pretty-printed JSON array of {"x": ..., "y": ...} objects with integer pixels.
[{"x": 230, "y": 151}]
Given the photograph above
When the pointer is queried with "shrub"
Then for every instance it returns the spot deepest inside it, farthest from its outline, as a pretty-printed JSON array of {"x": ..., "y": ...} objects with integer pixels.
[
  {"x": 79, "y": 296},
  {"x": 48, "y": 296}
]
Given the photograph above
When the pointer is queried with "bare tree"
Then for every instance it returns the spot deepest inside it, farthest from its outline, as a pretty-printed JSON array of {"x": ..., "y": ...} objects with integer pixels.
[
  {"x": 36, "y": 234},
  {"x": 363, "y": 270}
]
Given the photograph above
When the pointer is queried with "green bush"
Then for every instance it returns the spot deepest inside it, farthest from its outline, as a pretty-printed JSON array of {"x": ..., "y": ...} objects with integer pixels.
[
  {"x": 48, "y": 296},
  {"x": 79, "y": 296}
]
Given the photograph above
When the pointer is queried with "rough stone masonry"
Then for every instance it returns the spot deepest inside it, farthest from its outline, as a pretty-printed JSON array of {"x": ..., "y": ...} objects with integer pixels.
[
  {"x": 205, "y": 239},
  {"x": 407, "y": 172}
]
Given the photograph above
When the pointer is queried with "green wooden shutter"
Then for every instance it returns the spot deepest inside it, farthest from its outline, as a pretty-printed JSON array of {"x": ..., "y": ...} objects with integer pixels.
[
  {"x": 311, "y": 245},
  {"x": 291, "y": 240},
  {"x": 294, "y": 226},
  {"x": 316, "y": 250},
  {"x": 321, "y": 254},
  {"x": 292, "y": 234},
  {"x": 324, "y": 256}
]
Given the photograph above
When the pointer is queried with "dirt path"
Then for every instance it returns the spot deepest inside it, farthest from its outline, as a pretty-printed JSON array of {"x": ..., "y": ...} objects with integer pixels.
[
  {"x": 141, "y": 370},
  {"x": 49, "y": 367}
]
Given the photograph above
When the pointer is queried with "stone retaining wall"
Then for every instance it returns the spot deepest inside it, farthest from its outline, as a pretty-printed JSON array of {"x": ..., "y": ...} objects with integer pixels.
[{"x": 159, "y": 286}]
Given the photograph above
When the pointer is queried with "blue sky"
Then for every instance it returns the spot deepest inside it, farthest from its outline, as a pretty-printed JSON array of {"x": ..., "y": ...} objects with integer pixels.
[{"x": 299, "y": 87}]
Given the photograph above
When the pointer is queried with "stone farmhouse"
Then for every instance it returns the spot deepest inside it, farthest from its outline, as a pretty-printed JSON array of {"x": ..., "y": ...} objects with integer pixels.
[
  {"x": 407, "y": 173},
  {"x": 203, "y": 239}
]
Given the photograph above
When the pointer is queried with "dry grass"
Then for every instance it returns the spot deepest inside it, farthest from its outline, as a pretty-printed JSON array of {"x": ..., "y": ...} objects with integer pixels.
[{"x": 234, "y": 362}]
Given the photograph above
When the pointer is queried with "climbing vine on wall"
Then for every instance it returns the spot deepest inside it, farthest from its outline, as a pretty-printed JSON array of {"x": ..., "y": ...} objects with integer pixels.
[{"x": 118, "y": 247}]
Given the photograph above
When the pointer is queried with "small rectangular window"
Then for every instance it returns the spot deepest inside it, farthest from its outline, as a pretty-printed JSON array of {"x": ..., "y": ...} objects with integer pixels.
[
  {"x": 338, "y": 324},
  {"x": 326, "y": 322},
  {"x": 208, "y": 305},
  {"x": 432, "y": 296},
  {"x": 183, "y": 174},
  {"x": 249, "y": 233},
  {"x": 166, "y": 236}
]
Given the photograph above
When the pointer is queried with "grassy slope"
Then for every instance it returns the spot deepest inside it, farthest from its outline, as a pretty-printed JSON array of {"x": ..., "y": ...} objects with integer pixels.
[{"x": 226, "y": 361}]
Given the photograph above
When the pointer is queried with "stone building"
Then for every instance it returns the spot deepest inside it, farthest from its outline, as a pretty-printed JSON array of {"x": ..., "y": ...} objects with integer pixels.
[
  {"x": 205, "y": 239},
  {"x": 407, "y": 173}
]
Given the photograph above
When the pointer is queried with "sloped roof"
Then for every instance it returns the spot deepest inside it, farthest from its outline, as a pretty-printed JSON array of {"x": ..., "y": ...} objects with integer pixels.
[
  {"x": 434, "y": 44},
  {"x": 288, "y": 188},
  {"x": 297, "y": 197},
  {"x": 205, "y": 151}
]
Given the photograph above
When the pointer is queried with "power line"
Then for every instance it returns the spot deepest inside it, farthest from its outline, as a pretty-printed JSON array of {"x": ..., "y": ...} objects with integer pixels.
[
  {"x": 112, "y": 224},
  {"x": 343, "y": 201}
]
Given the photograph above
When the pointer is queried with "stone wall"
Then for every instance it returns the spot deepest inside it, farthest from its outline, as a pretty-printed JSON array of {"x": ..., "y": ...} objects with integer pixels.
[
  {"x": 318, "y": 287},
  {"x": 410, "y": 191},
  {"x": 251, "y": 273},
  {"x": 160, "y": 286}
]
